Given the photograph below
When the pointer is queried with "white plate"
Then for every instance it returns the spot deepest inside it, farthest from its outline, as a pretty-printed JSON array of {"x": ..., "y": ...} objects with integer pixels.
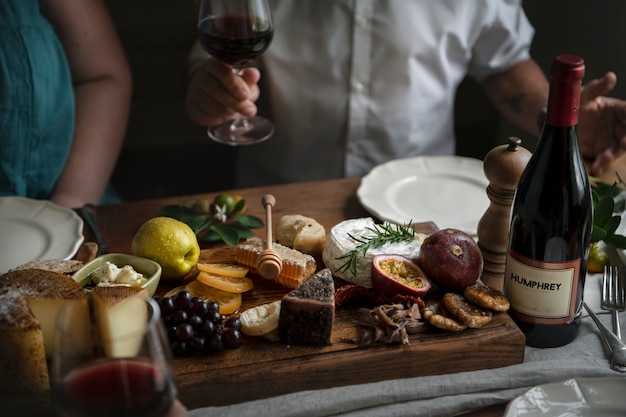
[
  {"x": 598, "y": 397},
  {"x": 447, "y": 190},
  {"x": 35, "y": 229}
]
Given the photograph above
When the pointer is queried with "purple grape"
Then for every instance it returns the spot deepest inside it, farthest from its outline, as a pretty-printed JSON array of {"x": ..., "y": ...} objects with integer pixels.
[
  {"x": 232, "y": 338},
  {"x": 184, "y": 332}
]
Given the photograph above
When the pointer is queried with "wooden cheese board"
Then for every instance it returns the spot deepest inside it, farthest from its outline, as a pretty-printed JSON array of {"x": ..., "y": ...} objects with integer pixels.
[{"x": 261, "y": 368}]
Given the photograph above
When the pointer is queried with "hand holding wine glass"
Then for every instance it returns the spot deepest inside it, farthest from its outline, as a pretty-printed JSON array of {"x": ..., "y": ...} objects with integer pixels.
[
  {"x": 115, "y": 362},
  {"x": 236, "y": 32}
]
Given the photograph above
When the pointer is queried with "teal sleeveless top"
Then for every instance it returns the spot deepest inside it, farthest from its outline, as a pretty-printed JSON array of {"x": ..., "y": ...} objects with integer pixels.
[{"x": 36, "y": 102}]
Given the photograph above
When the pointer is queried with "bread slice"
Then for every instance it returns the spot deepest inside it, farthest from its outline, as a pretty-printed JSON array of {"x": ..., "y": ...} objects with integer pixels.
[{"x": 301, "y": 233}]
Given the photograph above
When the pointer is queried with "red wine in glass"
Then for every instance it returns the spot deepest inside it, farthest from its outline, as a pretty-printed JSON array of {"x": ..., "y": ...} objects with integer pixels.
[
  {"x": 236, "y": 32},
  {"x": 233, "y": 39},
  {"x": 116, "y": 388}
]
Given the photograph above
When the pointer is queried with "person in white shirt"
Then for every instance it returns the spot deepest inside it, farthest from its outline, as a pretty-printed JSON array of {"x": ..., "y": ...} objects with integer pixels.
[{"x": 352, "y": 84}]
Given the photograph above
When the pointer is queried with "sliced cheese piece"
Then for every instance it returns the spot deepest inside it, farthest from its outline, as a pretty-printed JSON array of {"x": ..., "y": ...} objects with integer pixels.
[
  {"x": 29, "y": 301},
  {"x": 343, "y": 239},
  {"x": 121, "y": 313},
  {"x": 46, "y": 310},
  {"x": 74, "y": 322}
]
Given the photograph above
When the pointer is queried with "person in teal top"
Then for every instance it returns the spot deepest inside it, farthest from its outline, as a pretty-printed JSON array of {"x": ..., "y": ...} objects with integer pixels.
[{"x": 65, "y": 90}]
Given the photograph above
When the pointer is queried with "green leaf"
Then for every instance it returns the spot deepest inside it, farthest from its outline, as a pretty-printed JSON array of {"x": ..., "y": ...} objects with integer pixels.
[
  {"x": 603, "y": 211},
  {"x": 597, "y": 234},
  {"x": 227, "y": 233},
  {"x": 616, "y": 241},
  {"x": 197, "y": 222},
  {"x": 242, "y": 230},
  {"x": 595, "y": 196},
  {"x": 231, "y": 230},
  {"x": 611, "y": 226},
  {"x": 239, "y": 206},
  {"x": 249, "y": 220}
]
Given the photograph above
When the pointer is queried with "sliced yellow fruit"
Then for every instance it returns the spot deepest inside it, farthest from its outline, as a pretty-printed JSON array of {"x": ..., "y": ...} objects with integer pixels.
[
  {"x": 174, "y": 291},
  {"x": 224, "y": 283},
  {"x": 228, "y": 270},
  {"x": 260, "y": 320},
  {"x": 229, "y": 302}
]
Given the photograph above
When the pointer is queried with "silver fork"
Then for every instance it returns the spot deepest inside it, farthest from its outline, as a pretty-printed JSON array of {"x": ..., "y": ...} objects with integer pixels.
[
  {"x": 613, "y": 295},
  {"x": 616, "y": 346}
]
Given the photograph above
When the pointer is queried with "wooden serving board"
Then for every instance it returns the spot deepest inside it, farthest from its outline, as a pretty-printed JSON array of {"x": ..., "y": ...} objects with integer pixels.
[{"x": 261, "y": 369}]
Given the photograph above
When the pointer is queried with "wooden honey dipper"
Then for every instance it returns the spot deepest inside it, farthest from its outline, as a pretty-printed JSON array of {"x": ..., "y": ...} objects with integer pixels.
[{"x": 269, "y": 263}]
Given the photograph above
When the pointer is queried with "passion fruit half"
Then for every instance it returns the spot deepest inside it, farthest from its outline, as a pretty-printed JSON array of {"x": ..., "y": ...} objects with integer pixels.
[{"x": 397, "y": 274}]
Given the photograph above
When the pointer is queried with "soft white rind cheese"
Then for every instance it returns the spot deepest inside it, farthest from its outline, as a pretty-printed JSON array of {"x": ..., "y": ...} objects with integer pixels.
[
  {"x": 340, "y": 242},
  {"x": 111, "y": 274}
]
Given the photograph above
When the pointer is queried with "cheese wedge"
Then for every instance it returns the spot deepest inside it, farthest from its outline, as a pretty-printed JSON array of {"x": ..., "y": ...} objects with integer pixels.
[
  {"x": 29, "y": 302},
  {"x": 121, "y": 315}
]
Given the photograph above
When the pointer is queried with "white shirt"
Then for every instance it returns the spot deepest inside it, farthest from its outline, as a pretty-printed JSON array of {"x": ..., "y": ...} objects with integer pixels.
[{"x": 351, "y": 84}]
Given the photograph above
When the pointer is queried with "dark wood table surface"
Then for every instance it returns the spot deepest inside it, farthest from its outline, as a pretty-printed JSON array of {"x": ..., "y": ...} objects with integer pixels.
[{"x": 329, "y": 202}]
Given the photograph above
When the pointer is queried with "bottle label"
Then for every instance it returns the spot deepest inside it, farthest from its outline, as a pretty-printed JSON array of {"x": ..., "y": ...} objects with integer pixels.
[{"x": 541, "y": 292}]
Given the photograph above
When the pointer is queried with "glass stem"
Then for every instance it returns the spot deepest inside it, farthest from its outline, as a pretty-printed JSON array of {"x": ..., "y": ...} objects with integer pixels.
[{"x": 239, "y": 122}]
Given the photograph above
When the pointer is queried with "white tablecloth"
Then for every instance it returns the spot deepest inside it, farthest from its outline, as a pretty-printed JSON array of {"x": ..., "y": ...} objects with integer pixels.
[{"x": 446, "y": 395}]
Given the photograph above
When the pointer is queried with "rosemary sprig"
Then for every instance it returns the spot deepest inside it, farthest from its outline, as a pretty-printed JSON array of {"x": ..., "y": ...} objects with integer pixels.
[{"x": 383, "y": 233}]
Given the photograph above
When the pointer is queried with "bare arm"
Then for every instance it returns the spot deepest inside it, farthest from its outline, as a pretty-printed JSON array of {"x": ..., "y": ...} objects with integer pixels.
[
  {"x": 102, "y": 88},
  {"x": 519, "y": 94}
]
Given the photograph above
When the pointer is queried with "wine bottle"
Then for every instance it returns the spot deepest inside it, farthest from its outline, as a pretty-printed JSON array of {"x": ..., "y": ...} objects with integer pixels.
[{"x": 551, "y": 220}]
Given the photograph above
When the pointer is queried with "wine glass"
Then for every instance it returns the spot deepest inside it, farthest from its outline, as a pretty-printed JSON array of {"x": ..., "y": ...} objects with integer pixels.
[
  {"x": 236, "y": 32},
  {"x": 116, "y": 364}
]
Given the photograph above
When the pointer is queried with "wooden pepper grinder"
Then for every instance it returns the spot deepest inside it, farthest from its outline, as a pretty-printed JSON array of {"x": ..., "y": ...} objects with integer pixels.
[
  {"x": 269, "y": 263},
  {"x": 503, "y": 167}
]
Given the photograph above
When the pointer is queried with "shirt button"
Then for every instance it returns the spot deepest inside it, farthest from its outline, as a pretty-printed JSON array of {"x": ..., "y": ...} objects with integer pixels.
[{"x": 358, "y": 86}]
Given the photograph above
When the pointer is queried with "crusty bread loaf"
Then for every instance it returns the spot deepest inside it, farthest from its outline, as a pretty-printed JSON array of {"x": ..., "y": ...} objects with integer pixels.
[
  {"x": 307, "y": 313},
  {"x": 62, "y": 266},
  {"x": 301, "y": 233},
  {"x": 297, "y": 266},
  {"x": 29, "y": 300}
]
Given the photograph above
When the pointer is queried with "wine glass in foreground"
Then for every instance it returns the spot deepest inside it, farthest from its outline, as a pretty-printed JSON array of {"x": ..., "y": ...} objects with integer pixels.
[
  {"x": 236, "y": 32},
  {"x": 116, "y": 364}
]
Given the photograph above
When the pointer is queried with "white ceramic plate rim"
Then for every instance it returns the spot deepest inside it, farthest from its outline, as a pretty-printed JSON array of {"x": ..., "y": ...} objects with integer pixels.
[
  {"x": 573, "y": 397},
  {"x": 447, "y": 190},
  {"x": 36, "y": 229}
]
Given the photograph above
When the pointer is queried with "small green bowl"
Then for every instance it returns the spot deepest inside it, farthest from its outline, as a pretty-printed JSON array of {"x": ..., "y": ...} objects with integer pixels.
[{"x": 150, "y": 269}]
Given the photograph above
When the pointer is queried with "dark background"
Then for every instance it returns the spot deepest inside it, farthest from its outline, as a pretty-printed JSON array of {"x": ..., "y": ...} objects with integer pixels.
[{"x": 165, "y": 154}]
